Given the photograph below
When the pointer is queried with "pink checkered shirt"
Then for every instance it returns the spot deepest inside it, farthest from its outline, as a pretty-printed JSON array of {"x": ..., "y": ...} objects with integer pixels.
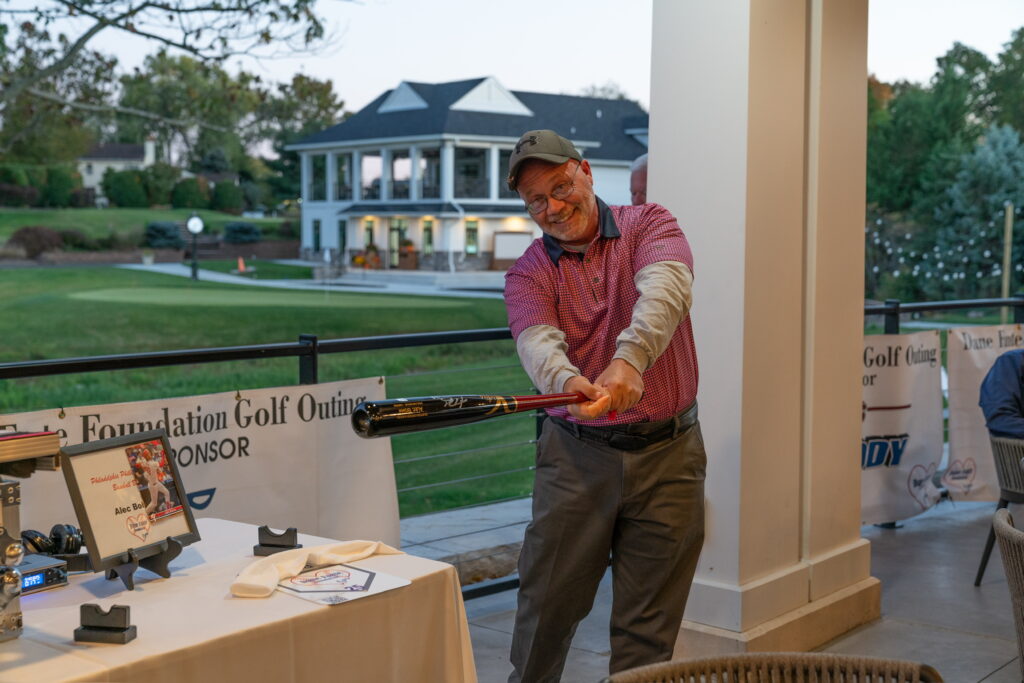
[{"x": 590, "y": 297}]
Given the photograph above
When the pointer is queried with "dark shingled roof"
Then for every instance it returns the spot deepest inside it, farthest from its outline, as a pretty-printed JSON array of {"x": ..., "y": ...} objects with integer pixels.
[
  {"x": 116, "y": 150},
  {"x": 572, "y": 116}
]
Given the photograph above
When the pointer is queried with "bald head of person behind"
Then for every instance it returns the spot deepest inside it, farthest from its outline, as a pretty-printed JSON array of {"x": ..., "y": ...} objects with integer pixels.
[{"x": 638, "y": 180}]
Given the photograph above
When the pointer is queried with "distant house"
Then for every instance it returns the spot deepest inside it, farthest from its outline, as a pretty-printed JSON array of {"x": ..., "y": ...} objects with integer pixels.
[
  {"x": 116, "y": 155},
  {"x": 424, "y": 166}
]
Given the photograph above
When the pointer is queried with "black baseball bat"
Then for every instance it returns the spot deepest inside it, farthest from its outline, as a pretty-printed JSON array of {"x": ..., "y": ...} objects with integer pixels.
[{"x": 404, "y": 415}]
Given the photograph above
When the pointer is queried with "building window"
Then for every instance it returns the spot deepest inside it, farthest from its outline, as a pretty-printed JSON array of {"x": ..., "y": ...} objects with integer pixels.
[
  {"x": 503, "y": 191},
  {"x": 471, "y": 178},
  {"x": 318, "y": 178},
  {"x": 372, "y": 167},
  {"x": 343, "y": 180},
  {"x": 401, "y": 173},
  {"x": 430, "y": 173},
  {"x": 472, "y": 236},
  {"x": 88, "y": 169},
  {"x": 316, "y": 235},
  {"x": 428, "y": 237},
  {"x": 368, "y": 231},
  {"x": 342, "y": 238}
]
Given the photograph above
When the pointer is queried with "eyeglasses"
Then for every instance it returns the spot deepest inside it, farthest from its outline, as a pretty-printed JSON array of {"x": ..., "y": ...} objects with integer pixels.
[{"x": 560, "y": 192}]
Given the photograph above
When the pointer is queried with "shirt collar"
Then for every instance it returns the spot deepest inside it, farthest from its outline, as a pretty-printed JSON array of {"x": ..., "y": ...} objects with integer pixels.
[{"x": 606, "y": 227}]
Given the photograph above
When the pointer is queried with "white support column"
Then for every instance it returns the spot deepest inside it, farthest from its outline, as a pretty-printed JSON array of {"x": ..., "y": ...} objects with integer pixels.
[
  {"x": 492, "y": 172},
  {"x": 767, "y": 178},
  {"x": 332, "y": 177},
  {"x": 414, "y": 173},
  {"x": 385, "y": 174},
  {"x": 306, "y": 164},
  {"x": 447, "y": 171},
  {"x": 357, "y": 175}
]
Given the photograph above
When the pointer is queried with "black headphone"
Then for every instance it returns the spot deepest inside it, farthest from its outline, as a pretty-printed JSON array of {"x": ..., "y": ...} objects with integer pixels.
[{"x": 64, "y": 539}]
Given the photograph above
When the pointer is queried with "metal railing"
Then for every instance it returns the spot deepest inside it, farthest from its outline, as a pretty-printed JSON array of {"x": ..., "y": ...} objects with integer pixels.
[
  {"x": 892, "y": 309},
  {"x": 307, "y": 349}
]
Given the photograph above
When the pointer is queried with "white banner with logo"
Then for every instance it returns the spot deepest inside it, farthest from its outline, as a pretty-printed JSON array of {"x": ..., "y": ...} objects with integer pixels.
[
  {"x": 970, "y": 353},
  {"x": 284, "y": 457},
  {"x": 901, "y": 428}
]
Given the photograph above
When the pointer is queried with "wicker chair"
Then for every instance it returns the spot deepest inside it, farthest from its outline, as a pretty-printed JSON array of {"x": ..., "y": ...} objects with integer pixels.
[
  {"x": 1011, "y": 547},
  {"x": 781, "y": 667},
  {"x": 1007, "y": 454}
]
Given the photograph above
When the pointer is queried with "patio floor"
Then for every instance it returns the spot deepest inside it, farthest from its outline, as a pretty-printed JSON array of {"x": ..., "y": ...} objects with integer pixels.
[{"x": 931, "y": 611}]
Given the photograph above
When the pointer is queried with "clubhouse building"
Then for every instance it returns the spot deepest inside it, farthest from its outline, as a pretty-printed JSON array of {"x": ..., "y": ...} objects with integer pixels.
[{"x": 416, "y": 178}]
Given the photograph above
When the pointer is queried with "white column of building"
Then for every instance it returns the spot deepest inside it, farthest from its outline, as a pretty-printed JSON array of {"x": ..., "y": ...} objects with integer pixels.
[
  {"x": 414, "y": 173},
  {"x": 767, "y": 179},
  {"x": 493, "y": 172},
  {"x": 385, "y": 174},
  {"x": 447, "y": 171},
  {"x": 329, "y": 232},
  {"x": 452, "y": 229},
  {"x": 355, "y": 174},
  {"x": 306, "y": 161},
  {"x": 306, "y": 174}
]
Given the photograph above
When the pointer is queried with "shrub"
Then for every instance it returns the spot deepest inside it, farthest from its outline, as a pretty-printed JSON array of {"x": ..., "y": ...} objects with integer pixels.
[
  {"x": 241, "y": 233},
  {"x": 163, "y": 235},
  {"x": 13, "y": 175},
  {"x": 191, "y": 193},
  {"x": 82, "y": 197},
  {"x": 36, "y": 177},
  {"x": 119, "y": 241},
  {"x": 125, "y": 188},
  {"x": 76, "y": 239},
  {"x": 288, "y": 230},
  {"x": 36, "y": 239},
  {"x": 159, "y": 180},
  {"x": 255, "y": 194},
  {"x": 227, "y": 197},
  {"x": 18, "y": 195},
  {"x": 60, "y": 182}
]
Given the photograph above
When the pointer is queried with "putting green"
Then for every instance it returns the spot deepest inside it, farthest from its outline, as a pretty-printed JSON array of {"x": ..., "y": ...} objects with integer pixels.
[{"x": 177, "y": 296}]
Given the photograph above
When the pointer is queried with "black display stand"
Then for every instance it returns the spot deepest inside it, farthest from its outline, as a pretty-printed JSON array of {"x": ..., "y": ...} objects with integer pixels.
[
  {"x": 79, "y": 562},
  {"x": 270, "y": 543},
  {"x": 170, "y": 548},
  {"x": 111, "y": 626}
]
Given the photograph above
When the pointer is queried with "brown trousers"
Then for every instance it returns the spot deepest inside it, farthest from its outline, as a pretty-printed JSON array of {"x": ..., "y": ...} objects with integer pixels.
[{"x": 645, "y": 508}]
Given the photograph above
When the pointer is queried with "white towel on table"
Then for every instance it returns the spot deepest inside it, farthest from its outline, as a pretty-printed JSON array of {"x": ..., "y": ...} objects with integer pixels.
[{"x": 260, "y": 578}]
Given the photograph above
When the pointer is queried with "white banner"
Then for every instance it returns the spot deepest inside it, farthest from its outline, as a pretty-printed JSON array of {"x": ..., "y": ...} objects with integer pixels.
[
  {"x": 970, "y": 352},
  {"x": 285, "y": 457},
  {"x": 901, "y": 428}
]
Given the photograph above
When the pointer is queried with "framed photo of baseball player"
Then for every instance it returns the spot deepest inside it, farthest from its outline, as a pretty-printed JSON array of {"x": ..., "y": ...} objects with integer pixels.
[{"x": 128, "y": 497}]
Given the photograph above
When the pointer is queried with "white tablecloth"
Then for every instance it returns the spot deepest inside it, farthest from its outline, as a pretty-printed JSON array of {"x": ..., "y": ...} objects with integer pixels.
[{"x": 190, "y": 628}]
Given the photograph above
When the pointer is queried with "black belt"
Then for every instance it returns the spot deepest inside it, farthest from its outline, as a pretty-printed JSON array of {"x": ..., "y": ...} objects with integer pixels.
[{"x": 635, "y": 436}]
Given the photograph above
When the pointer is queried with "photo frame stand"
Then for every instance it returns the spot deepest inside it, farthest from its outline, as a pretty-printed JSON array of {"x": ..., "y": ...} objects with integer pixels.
[
  {"x": 159, "y": 564},
  {"x": 127, "y": 493}
]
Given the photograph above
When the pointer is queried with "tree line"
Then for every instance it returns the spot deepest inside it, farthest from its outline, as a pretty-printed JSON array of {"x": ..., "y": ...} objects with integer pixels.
[
  {"x": 944, "y": 159},
  {"x": 59, "y": 97}
]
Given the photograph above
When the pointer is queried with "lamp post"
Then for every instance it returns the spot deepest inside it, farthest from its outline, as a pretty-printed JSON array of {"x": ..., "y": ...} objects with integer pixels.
[{"x": 195, "y": 226}]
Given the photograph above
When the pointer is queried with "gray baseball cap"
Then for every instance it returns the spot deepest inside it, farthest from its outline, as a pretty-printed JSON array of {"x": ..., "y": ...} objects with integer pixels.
[{"x": 546, "y": 145}]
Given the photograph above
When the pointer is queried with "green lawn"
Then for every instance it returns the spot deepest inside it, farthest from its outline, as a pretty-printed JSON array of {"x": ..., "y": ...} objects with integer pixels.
[
  {"x": 258, "y": 269},
  {"x": 101, "y": 222},
  {"x": 69, "y": 312}
]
